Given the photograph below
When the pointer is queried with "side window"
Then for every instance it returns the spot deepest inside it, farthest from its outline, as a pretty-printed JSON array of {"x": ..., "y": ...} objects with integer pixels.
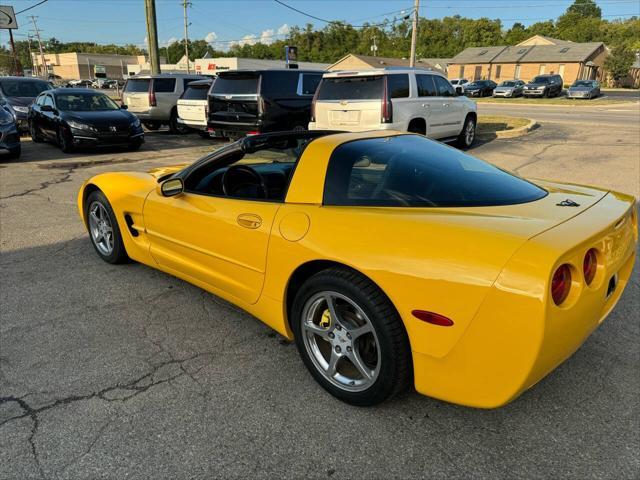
[
  {"x": 280, "y": 84},
  {"x": 40, "y": 100},
  {"x": 398, "y": 86},
  {"x": 164, "y": 85},
  {"x": 426, "y": 87},
  {"x": 48, "y": 100},
  {"x": 445, "y": 89},
  {"x": 308, "y": 84}
]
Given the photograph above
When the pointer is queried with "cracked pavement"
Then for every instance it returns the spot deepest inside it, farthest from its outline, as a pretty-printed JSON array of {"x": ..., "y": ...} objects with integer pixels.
[{"x": 122, "y": 371}]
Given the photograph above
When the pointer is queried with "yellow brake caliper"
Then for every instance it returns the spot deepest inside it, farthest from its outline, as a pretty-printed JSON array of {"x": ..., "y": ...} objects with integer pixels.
[{"x": 325, "y": 320}]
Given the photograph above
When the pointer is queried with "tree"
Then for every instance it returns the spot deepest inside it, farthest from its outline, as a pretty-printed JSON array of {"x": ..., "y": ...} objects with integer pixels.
[
  {"x": 585, "y": 8},
  {"x": 516, "y": 34},
  {"x": 581, "y": 22},
  {"x": 619, "y": 62}
]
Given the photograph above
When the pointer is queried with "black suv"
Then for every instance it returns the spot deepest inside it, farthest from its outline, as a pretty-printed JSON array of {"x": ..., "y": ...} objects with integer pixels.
[
  {"x": 249, "y": 102},
  {"x": 543, "y": 86}
]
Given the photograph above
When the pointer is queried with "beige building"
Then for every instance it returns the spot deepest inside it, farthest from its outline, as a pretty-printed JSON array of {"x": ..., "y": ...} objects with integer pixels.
[
  {"x": 365, "y": 62},
  {"x": 535, "y": 56},
  {"x": 76, "y": 65}
]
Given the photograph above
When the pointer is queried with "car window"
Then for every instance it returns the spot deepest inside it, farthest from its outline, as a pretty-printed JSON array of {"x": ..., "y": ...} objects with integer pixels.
[
  {"x": 164, "y": 85},
  {"x": 187, "y": 81},
  {"x": 48, "y": 101},
  {"x": 195, "y": 92},
  {"x": 309, "y": 83},
  {"x": 137, "y": 85},
  {"x": 444, "y": 88},
  {"x": 426, "y": 87},
  {"x": 273, "y": 164},
  {"x": 236, "y": 84},
  {"x": 85, "y": 102},
  {"x": 23, "y": 87},
  {"x": 412, "y": 171},
  {"x": 541, "y": 80},
  {"x": 398, "y": 85},
  {"x": 40, "y": 100},
  {"x": 351, "y": 88},
  {"x": 279, "y": 83}
]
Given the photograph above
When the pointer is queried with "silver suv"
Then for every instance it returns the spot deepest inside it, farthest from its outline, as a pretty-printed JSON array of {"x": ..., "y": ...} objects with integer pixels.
[{"x": 154, "y": 98}]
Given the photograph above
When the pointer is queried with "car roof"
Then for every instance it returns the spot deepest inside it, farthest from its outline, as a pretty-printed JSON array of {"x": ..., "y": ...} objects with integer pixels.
[
  {"x": 24, "y": 79},
  {"x": 198, "y": 83},
  {"x": 55, "y": 91},
  {"x": 381, "y": 71},
  {"x": 167, "y": 75},
  {"x": 267, "y": 70}
]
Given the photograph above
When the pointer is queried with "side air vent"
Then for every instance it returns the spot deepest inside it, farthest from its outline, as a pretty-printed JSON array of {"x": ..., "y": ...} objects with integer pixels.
[{"x": 129, "y": 220}]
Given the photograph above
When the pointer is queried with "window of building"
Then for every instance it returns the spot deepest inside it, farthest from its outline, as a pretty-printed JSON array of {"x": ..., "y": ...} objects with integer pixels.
[
  {"x": 477, "y": 73},
  {"x": 564, "y": 50},
  {"x": 498, "y": 71},
  {"x": 462, "y": 71},
  {"x": 517, "y": 73},
  {"x": 542, "y": 69}
]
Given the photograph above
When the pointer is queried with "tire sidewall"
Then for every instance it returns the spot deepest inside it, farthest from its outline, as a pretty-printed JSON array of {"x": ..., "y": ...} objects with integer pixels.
[{"x": 118, "y": 254}]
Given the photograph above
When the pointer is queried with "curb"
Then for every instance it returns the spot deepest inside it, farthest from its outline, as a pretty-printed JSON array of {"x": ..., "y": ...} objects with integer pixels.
[
  {"x": 576, "y": 103},
  {"x": 513, "y": 133}
]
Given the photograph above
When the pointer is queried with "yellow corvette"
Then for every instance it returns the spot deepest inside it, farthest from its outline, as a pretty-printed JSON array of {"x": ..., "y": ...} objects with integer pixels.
[{"x": 388, "y": 257}]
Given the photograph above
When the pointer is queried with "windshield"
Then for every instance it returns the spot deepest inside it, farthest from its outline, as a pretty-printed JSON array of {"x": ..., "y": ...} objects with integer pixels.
[
  {"x": 413, "y": 171},
  {"x": 508, "y": 84},
  {"x": 85, "y": 102},
  {"x": 23, "y": 88},
  {"x": 194, "y": 92},
  {"x": 137, "y": 85},
  {"x": 582, "y": 83},
  {"x": 237, "y": 84},
  {"x": 351, "y": 88},
  {"x": 540, "y": 80}
]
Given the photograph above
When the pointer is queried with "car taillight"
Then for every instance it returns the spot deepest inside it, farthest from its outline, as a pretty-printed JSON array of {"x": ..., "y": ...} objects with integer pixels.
[
  {"x": 590, "y": 265},
  {"x": 432, "y": 318},
  {"x": 152, "y": 99},
  {"x": 561, "y": 284},
  {"x": 313, "y": 103},
  {"x": 387, "y": 107},
  {"x": 253, "y": 132}
]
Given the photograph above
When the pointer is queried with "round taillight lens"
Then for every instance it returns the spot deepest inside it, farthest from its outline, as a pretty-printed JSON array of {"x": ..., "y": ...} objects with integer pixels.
[
  {"x": 561, "y": 284},
  {"x": 590, "y": 265}
]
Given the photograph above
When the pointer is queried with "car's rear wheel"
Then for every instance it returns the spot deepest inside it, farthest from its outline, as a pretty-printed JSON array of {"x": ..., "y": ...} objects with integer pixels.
[
  {"x": 350, "y": 337},
  {"x": 103, "y": 229},
  {"x": 151, "y": 125},
  {"x": 468, "y": 133},
  {"x": 176, "y": 127}
]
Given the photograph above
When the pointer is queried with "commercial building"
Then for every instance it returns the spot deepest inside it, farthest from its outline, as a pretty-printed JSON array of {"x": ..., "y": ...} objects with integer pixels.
[
  {"x": 212, "y": 66},
  {"x": 75, "y": 65},
  {"x": 535, "y": 56}
]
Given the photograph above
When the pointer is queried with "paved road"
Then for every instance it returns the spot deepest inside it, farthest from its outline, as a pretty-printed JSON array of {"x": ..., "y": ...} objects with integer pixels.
[{"x": 123, "y": 371}]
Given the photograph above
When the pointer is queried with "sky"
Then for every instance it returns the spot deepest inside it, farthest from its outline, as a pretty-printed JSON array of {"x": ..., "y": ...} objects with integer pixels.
[{"x": 223, "y": 22}]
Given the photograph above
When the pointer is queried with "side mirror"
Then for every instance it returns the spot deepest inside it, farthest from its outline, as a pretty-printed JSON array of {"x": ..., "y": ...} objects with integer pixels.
[
  {"x": 172, "y": 187},
  {"x": 459, "y": 91},
  {"x": 46, "y": 108},
  {"x": 124, "y": 106}
]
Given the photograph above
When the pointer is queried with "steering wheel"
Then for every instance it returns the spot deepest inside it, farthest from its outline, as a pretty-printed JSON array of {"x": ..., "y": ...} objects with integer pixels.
[{"x": 241, "y": 176}]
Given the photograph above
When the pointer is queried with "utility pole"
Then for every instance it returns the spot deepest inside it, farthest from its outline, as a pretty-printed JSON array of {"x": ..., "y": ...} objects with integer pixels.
[
  {"x": 152, "y": 36},
  {"x": 42, "y": 59},
  {"x": 16, "y": 69},
  {"x": 414, "y": 33},
  {"x": 374, "y": 47},
  {"x": 186, "y": 4},
  {"x": 30, "y": 54}
]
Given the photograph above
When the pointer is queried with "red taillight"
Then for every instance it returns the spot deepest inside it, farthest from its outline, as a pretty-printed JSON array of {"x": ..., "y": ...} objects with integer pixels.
[
  {"x": 253, "y": 132},
  {"x": 313, "y": 103},
  {"x": 432, "y": 318},
  {"x": 387, "y": 107},
  {"x": 152, "y": 99},
  {"x": 561, "y": 284},
  {"x": 590, "y": 265}
]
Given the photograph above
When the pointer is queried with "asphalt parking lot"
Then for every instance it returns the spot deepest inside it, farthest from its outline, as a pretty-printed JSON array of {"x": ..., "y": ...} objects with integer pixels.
[{"x": 123, "y": 371}]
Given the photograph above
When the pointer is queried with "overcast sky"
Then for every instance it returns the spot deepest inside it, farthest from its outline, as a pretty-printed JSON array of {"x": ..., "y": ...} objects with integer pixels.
[{"x": 223, "y": 21}]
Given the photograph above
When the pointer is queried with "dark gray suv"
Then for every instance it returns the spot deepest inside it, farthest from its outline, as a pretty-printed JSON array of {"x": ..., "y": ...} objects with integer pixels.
[{"x": 543, "y": 86}]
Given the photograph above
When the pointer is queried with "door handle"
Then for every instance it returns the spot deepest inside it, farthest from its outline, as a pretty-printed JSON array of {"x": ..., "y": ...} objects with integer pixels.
[
  {"x": 445, "y": 105},
  {"x": 425, "y": 105},
  {"x": 249, "y": 220}
]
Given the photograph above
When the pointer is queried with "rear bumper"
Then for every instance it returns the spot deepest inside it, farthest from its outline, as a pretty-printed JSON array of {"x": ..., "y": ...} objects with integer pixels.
[
  {"x": 518, "y": 335},
  {"x": 195, "y": 124},
  {"x": 533, "y": 93}
]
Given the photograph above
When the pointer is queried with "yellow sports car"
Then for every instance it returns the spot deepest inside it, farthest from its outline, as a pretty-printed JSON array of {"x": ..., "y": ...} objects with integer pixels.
[{"x": 388, "y": 257}]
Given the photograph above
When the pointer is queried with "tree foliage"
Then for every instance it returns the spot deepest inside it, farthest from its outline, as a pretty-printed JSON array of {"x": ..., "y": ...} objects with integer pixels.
[{"x": 619, "y": 62}]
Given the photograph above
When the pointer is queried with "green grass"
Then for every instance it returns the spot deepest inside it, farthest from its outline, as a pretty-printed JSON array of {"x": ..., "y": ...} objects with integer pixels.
[
  {"x": 553, "y": 101},
  {"x": 496, "y": 123}
]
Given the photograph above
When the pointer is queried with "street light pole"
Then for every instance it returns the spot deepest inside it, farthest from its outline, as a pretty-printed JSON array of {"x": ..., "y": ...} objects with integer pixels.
[
  {"x": 185, "y": 4},
  {"x": 152, "y": 36},
  {"x": 414, "y": 33}
]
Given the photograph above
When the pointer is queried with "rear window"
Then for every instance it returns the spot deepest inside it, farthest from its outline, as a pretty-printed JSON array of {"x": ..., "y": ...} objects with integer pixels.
[
  {"x": 236, "y": 85},
  {"x": 137, "y": 85},
  {"x": 412, "y": 171},
  {"x": 164, "y": 85},
  {"x": 195, "y": 92},
  {"x": 351, "y": 88},
  {"x": 23, "y": 88}
]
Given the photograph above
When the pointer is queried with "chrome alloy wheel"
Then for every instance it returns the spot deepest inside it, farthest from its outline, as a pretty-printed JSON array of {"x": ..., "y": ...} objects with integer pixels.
[
  {"x": 470, "y": 132},
  {"x": 341, "y": 341},
  {"x": 100, "y": 228}
]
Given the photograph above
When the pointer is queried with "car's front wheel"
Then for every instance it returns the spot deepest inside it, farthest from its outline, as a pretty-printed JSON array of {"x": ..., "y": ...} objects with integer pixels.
[
  {"x": 33, "y": 131},
  {"x": 468, "y": 133},
  {"x": 103, "y": 229},
  {"x": 350, "y": 337},
  {"x": 65, "y": 141}
]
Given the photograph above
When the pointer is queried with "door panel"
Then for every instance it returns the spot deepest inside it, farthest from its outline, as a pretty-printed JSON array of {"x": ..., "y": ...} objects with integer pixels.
[{"x": 220, "y": 241}]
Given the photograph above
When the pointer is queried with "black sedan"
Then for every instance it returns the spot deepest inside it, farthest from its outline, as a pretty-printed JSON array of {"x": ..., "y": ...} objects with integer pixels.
[
  {"x": 9, "y": 137},
  {"x": 19, "y": 93},
  {"x": 74, "y": 117},
  {"x": 480, "y": 88}
]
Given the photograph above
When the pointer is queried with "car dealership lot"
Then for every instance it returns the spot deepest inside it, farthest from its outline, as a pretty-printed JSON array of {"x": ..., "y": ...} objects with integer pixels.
[{"x": 113, "y": 371}]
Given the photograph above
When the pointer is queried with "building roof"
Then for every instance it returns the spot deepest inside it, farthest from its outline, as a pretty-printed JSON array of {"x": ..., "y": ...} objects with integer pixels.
[
  {"x": 382, "y": 62},
  {"x": 566, "y": 52},
  {"x": 542, "y": 40}
]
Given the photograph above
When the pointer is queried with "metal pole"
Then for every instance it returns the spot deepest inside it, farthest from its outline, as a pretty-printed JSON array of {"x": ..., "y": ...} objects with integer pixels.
[
  {"x": 16, "y": 69},
  {"x": 414, "y": 33},
  {"x": 185, "y": 4},
  {"x": 152, "y": 36},
  {"x": 30, "y": 54},
  {"x": 35, "y": 26}
]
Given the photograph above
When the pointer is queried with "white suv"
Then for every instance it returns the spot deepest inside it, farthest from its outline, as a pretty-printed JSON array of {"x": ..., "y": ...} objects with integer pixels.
[{"x": 406, "y": 99}]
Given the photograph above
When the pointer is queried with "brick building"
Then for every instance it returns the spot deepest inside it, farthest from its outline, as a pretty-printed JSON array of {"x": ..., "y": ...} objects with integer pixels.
[
  {"x": 534, "y": 56},
  {"x": 365, "y": 62},
  {"x": 76, "y": 65}
]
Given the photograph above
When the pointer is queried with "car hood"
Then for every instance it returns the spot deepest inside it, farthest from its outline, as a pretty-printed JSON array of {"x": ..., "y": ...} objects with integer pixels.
[
  {"x": 20, "y": 101},
  {"x": 504, "y": 88},
  {"x": 473, "y": 87},
  {"x": 579, "y": 89},
  {"x": 100, "y": 119},
  {"x": 536, "y": 85}
]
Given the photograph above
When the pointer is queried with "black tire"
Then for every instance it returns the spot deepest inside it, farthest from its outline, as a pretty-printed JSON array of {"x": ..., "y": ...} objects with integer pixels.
[
  {"x": 175, "y": 127},
  {"x": 151, "y": 125},
  {"x": 395, "y": 367},
  {"x": 135, "y": 145},
  {"x": 118, "y": 254},
  {"x": 14, "y": 153},
  {"x": 35, "y": 136},
  {"x": 65, "y": 142},
  {"x": 204, "y": 134},
  {"x": 462, "y": 141}
]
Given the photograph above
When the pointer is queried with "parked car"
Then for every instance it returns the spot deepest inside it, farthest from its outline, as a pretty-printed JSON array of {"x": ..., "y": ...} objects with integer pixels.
[
  {"x": 509, "y": 88},
  {"x": 405, "y": 99},
  {"x": 99, "y": 82},
  {"x": 20, "y": 92},
  {"x": 9, "y": 135},
  {"x": 79, "y": 83},
  {"x": 480, "y": 88},
  {"x": 193, "y": 106},
  {"x": 584, "y": 89},
  {"x": 543, "y": 86},
  {"x": 459, "y": 84},
  {"x": 154, "y": 99},
  {"x": 110, "y": 84},
  {"x": 423, "y": 266},
  {"x": 248, "y": 102},
  {"x": 80, "y": 117}
]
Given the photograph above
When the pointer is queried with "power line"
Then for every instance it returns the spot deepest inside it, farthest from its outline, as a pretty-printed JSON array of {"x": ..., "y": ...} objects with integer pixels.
[{"x": 32, "y": 6}]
